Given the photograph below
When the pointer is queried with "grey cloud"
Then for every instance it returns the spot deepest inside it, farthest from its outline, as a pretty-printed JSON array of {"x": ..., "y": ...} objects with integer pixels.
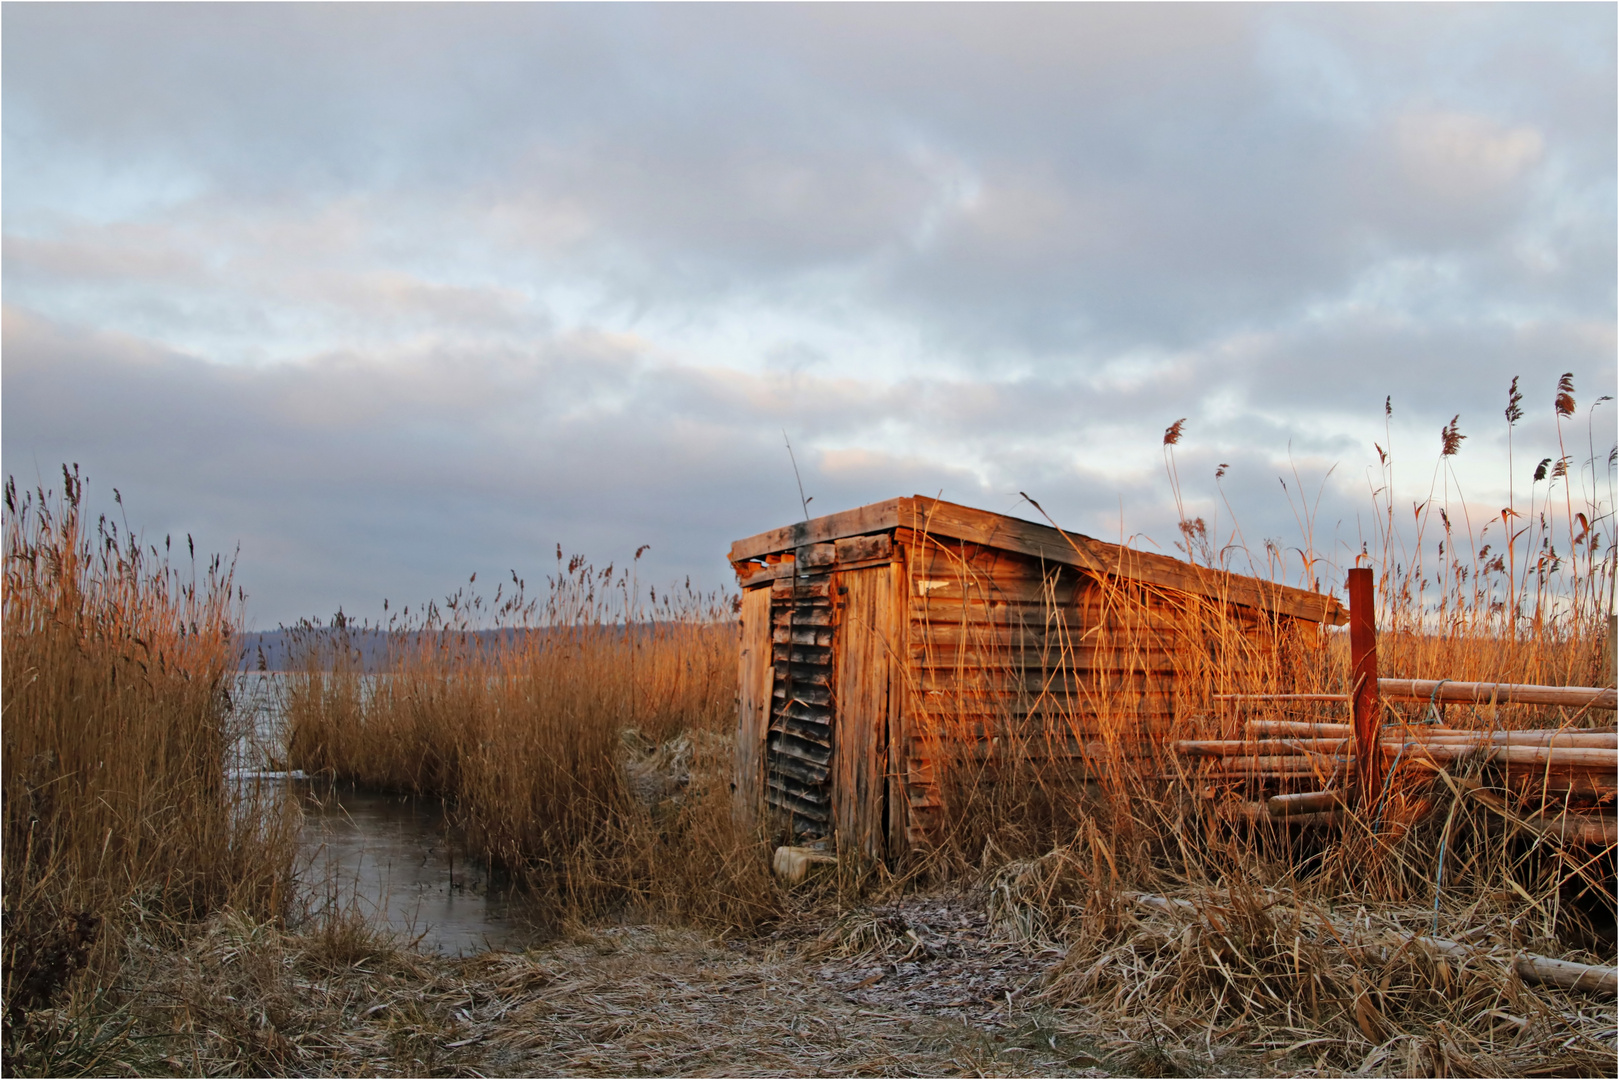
[
  {"x": 347, "y": 476},
  {"x": 460, "y": 282},
  {"x": 1135, "y": 174}
]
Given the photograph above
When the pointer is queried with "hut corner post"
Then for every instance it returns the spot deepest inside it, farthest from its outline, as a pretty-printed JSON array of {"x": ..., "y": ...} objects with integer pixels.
[{"x": 1363, "y": 685}]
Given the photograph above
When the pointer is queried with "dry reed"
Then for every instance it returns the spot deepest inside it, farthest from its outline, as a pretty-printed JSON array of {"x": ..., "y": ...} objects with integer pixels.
[
  {"x": 117, "y": 802},
  {"x": 583, "y": 742}
]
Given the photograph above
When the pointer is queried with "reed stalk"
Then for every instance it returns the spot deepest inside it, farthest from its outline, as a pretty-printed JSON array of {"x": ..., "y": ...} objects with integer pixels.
[
  {"x": 118, "y": 809},
  {"x": 583, "y": 740}
]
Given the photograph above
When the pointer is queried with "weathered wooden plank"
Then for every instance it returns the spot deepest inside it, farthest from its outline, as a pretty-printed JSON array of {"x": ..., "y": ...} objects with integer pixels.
[
  {"x": 1086, "y": 668},
  {"x": 804, "y": 710},
  {"x": 803, "y": 616},
  {"x": 804, "y": 590},
  {"x": 795, "y": 804},
  {"x": 754, "y": 676},
  {"x": 802, "y": 635},
  {"x": 801, "y": 750},
  {"x": 877, "y": 517},
  {"x": 1002, "y": 684},
  {"x": 754, "y": 575},
  {"x": 1571, "y": 757},
  {"x": 787, "y": 794},
  {"x": 861, "y": 548},
  {"x": 954, "y": 639},
  {"x": 805, "y": 692},
  {"x": 805, "y": 730},
  {"x": 783, "y": 763},
  {"x": 1129, "y": 707},
  {"x": 1553, "y": 784},
  {"x": 949, "y": 583},
  {"x": 947, "y": 611},
  {"x": 1570, "y": 737},
  {"x": 807, "y": 674},
  {"x": 895, "y": 804},
  {"x": 920, "y": 798},
  {"x": 864, "y": 656},
  {"x": 814, "y": 555},
  {"x": 934, "y": 519},
  {"x": 802, "y": 656},
  {"x": 1260, "y": 763}
]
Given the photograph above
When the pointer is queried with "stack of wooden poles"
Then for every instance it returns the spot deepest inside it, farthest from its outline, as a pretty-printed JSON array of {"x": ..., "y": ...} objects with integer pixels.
[{"x": 1559, "y": 782}]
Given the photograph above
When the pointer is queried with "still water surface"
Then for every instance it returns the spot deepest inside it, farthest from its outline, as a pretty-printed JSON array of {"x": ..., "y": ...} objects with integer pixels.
[{"x": 394, "y": 859}]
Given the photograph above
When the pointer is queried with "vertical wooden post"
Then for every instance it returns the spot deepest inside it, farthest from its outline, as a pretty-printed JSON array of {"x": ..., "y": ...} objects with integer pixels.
[{"x": 1363, "y": 686}]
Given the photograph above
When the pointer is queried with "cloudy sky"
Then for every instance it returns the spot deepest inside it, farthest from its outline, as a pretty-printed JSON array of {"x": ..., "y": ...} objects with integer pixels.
[{"x": 387, "y": 295}]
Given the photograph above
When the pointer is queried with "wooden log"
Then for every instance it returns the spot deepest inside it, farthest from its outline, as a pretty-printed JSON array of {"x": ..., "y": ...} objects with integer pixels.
[
  {"x": 1539, "y": 969},
  {"x": 1298, "y": 764},
  {"x": 1537, "y": 783},
  {"x": 1599, "y": 829},
  {"x": 1281, "y": 697},
  {"x": 1255, "y": 813},
  {"x": 1299, "y": 727},
  {"x": 1322, "y": 818},
  {"x": 1480, "y": 693},
  {"x": 1542, "y": 970},
  {"x": 1234, "y": 747},
  {"x": 1594, "y": 740},
  {"x": 1307, "y": 802},
  {"x": 1568, "y": 757}
]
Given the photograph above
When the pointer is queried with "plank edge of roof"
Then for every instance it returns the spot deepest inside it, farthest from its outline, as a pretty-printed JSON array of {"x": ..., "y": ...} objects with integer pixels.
[{"x": 1069, "y": 548}]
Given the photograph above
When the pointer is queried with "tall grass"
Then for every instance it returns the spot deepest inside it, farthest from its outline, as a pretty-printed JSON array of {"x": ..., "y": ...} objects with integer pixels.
[
  {"x": 583, "y": 739},
  {"x": 117, "y": 804},
  {"x": 1300, "y": 934}
]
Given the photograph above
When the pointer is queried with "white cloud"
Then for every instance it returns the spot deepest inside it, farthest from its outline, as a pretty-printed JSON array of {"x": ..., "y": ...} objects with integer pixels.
[{"x": 1460, "y": 156}]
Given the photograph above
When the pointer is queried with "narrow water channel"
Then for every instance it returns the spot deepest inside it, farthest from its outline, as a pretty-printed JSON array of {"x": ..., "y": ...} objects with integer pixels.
[{"x": 394, "y": 859}]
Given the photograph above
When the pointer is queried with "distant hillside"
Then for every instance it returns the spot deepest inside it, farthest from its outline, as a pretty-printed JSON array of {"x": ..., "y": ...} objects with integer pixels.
[{"x": 281, "y": 650}]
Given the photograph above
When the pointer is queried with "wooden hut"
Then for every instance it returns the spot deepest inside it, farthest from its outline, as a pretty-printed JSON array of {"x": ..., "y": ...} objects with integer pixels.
[{"x": 870, "y": 635}]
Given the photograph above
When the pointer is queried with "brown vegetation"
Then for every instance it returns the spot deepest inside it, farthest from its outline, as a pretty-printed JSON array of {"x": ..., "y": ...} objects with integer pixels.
[
  {"x": 546, "y": 739},
  {"x": 117, "y": 805}
]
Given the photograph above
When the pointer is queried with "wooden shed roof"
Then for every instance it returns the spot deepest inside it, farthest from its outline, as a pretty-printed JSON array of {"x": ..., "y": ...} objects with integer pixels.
[{"x": 945, "y": 519}]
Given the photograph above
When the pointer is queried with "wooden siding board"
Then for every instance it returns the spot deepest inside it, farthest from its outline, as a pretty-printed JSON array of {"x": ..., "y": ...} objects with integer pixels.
[
  {"x": 754, "y": 677},
  {"x": 896, "y": 812},
  {"x": 863, "y": 656}
]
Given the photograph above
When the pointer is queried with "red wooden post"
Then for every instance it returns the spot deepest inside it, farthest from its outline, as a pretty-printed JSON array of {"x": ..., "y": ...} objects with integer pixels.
[{"x": 1363, "y": 686}]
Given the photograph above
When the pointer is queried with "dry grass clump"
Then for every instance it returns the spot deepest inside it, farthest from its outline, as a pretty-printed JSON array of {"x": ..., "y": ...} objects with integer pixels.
[
  {"x": 115, "y": 738},
  {"x": 584, "y": 742},
  {"x": 1283, "y": 970}
]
